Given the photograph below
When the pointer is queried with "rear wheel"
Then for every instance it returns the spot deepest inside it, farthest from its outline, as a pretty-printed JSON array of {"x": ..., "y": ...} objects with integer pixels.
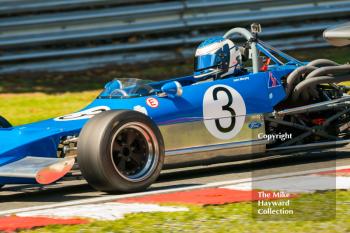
[{"x": 120, "y": 151}]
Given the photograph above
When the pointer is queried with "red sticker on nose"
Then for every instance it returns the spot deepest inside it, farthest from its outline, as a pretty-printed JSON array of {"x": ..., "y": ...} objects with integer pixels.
[{"x": 152, "y": 102}]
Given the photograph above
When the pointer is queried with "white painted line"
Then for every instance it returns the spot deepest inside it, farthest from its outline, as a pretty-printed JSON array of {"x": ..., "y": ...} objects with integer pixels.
[
  {"x": 296, "y": 184},
  {"x": 103, "y": 211},
  {"x": 209, "y": 185}
]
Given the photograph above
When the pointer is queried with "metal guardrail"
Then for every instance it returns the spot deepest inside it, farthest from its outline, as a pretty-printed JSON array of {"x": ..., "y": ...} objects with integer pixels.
[
  {"x": 8, "y": 7},
  {"x": 158, "y": 43},
  {"x": 86, "y": 62},
  {"x": 64, "y": 35}
]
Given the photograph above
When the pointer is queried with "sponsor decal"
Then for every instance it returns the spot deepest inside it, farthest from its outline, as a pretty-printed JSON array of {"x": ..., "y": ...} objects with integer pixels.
[
  {"x": 86, "y": 114},
  {"x": 152, "y": 102},
  {"x": 224, "y": 111},
  {"x": 273, "y": 82},
  {"x": 255, "y": 125},
  {"x": 241, "y": 79}
]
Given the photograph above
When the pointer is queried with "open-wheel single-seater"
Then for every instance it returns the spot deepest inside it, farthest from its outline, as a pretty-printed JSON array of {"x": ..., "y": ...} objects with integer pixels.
[{"x": 135, "y": 128}]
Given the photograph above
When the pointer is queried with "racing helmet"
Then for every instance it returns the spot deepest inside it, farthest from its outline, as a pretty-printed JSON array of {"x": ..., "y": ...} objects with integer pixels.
[{"x": 216, "y": 58}]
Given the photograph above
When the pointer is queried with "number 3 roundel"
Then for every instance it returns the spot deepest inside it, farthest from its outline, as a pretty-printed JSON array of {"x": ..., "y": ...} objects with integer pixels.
[{"x": 223, "y": 111}]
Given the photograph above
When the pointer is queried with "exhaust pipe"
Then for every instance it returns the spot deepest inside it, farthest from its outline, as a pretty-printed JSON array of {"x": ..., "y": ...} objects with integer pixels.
[
  {"x": 322, "y": 62},
  {"x": 310, "y": 83},
  {"x": 294, "y": 77}
]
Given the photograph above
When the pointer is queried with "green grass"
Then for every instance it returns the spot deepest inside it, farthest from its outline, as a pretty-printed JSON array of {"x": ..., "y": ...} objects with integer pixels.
[
  {"x": 223, "y": 218},
  {"x": 26, "y": 108}
]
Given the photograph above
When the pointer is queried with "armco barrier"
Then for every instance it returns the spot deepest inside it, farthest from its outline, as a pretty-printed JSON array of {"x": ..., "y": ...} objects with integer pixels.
[{"x": 74, "y": 34}]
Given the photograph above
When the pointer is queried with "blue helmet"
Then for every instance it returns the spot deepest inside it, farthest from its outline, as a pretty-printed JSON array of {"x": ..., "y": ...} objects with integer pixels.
[{"x": 216, "y": 57}]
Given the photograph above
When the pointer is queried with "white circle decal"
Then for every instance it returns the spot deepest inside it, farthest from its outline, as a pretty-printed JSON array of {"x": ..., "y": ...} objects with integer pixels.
[
  {"x": 152, "y": 102},
  {"x": 223, "y": 111}
]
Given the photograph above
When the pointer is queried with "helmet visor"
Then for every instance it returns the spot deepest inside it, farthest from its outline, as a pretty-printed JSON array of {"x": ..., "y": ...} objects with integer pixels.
[{"x": 205, "y": 62}]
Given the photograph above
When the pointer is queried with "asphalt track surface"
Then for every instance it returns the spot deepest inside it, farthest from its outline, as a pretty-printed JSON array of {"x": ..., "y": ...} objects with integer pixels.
[{"x": 20, "y": 196}]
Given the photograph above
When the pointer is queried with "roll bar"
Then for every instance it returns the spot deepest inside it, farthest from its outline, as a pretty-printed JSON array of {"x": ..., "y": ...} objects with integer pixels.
[{"x": 251, "y": 40}]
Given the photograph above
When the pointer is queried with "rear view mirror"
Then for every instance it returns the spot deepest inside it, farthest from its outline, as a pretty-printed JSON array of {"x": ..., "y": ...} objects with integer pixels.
[
  {"x": 172, "y": 89},
  {"x": 338, "y": 35}
]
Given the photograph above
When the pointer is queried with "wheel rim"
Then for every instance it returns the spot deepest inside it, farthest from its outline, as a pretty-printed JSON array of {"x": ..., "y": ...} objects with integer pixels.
[{"x": 134, "y": 151}]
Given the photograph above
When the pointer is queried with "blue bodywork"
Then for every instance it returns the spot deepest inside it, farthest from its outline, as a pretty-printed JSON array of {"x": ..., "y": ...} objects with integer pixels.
[{"x": 260, "y": 91}]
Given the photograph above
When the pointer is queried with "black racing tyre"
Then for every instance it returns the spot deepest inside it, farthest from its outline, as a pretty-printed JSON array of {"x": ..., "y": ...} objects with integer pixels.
[
  {"x": 120, "y": 151},
  {"x": 4, "y": 123}
]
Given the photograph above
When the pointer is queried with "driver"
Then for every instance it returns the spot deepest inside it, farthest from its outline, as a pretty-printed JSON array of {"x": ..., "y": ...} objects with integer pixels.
[{"x": 217, "y": 58}]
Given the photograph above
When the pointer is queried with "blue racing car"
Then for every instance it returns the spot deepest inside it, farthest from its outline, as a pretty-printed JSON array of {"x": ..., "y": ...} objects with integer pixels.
[{"x": 244, "y": 100}]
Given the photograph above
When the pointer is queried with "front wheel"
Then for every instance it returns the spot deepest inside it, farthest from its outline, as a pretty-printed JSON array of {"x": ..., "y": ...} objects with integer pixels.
[{"x": 120, "y": 151}]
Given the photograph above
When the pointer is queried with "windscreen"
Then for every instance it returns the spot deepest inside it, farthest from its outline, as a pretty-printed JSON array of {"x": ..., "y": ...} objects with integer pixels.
[{"x": 127, "y": 88}]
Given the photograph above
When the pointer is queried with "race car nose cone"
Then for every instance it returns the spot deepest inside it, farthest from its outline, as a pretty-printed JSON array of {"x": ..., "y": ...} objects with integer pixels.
[{"x": 55, "y": 171}]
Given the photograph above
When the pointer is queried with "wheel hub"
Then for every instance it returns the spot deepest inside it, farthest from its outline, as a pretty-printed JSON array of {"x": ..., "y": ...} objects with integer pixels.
[
  {"x": 133, "y": 152},
  {"x": 126, "y": 151}
]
